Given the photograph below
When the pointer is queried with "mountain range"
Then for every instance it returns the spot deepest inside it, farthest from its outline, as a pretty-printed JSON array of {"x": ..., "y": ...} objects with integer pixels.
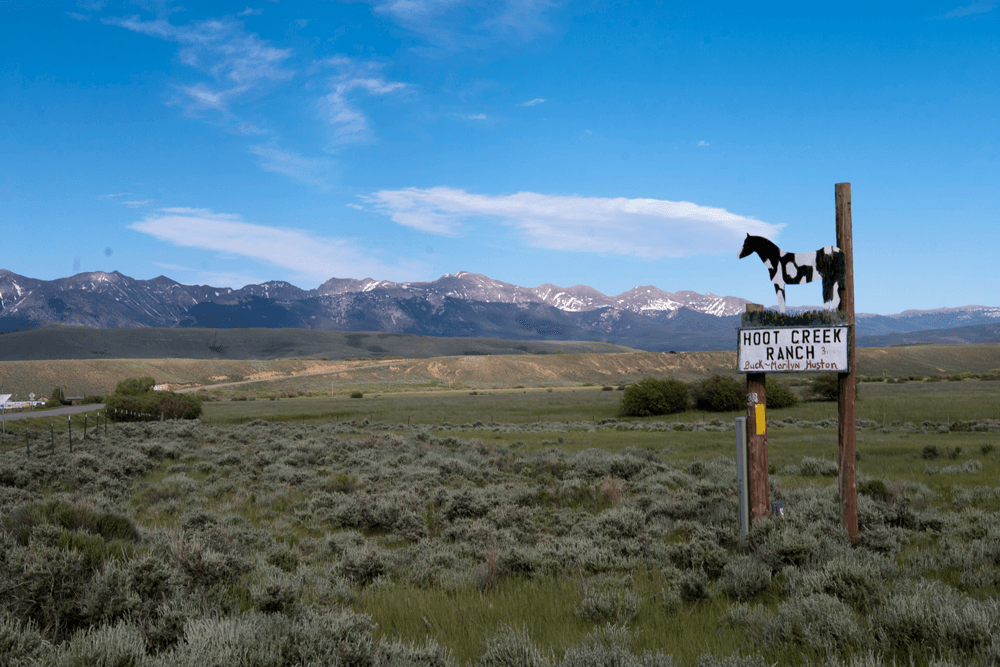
[{"x": 455, "y": 305}]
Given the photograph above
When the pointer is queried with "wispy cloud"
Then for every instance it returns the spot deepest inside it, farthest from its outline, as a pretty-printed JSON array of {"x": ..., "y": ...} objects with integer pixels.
[
  {"x": 225, "y": 279},
  {"x": 478, "y": 116},
  {"x": 978, "y": 7},
  {"x": 650, "y": 228},
  {"x": 308, "y": 256},
  {"x": 236, "y": 60},
  {"x": 703, "y": 143},
  {"x": 117, "y": 194},
  {"x": 531, "y": 103},
  {"x": 172, "y": 267},
  {"x": 138, "y": 203},
  {"x": 311, "y": 171},
  {"x": 249, "y": 128},
  {"x": 250, "y": 12},
  {"x": 468, "y": 24},
  {"x": 349, "y": 123}
]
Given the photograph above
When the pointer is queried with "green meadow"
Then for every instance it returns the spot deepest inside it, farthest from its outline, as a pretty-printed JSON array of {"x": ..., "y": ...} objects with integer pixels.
[{"x": 489, "y": 528}]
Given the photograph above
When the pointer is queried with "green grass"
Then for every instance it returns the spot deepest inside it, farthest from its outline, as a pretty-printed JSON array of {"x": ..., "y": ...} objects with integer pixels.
[
  {"x": 463, "y": 619},
  {"x": 914, "y": 402}
]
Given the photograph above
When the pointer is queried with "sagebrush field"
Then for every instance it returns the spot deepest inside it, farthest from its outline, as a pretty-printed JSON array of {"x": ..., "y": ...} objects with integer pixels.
[{"x": 543, "y": 534}]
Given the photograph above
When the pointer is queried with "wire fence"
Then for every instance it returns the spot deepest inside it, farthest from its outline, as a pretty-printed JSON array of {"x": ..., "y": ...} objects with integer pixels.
[{"x": 34, "y": 440}]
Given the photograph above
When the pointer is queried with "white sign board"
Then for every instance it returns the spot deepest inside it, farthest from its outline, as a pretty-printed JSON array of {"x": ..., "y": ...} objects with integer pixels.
[
  {"x": 4, "y": 397},
  {"x": 794, "y": 349}
]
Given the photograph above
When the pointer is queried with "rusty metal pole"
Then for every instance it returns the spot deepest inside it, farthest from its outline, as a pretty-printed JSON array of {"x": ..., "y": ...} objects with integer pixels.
[
  {"x": 757, "y": 487},
  {"x": 847, "y": 430}
]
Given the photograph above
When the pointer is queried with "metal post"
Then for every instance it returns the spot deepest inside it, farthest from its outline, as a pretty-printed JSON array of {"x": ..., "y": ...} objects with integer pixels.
[
  {"x": 69, "y": 429},
  {"x": 847, "y": 434},
  {"x": 743, "y": 511},
  {"x": 84, "y": 425}
]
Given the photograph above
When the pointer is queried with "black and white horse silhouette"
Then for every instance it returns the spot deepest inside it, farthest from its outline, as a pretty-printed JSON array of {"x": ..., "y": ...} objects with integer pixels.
[{"x": 799, "y": 267}]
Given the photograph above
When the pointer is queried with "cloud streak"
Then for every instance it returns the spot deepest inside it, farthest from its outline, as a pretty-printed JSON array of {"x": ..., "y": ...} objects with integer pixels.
[
  {"x": 237, "y": 61},
  {"x": 531, "y": 103},
  {"x": 649, "y": 228},
  {"x": 978, "y": 7},
  {"x": 316, "y": 172},
  {"x": 309, "y": 257},
  {"x": 349, "y": 123},
  {"x": 468, "y": 24}
]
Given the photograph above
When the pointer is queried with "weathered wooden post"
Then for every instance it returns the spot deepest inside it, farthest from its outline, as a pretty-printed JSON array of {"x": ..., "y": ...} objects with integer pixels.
[
  {"x": 847, "y": 431},
  {"x": 69, "y": 429},
  {"x": 758, "y": 487}
]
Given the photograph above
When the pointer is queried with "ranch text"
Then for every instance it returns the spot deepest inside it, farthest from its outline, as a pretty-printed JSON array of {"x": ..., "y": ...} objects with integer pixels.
[{"x": 789, "y": 349}]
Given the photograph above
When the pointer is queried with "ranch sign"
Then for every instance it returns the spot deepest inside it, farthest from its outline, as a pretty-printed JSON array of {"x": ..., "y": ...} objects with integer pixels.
[{"x": 794, "y": 349}]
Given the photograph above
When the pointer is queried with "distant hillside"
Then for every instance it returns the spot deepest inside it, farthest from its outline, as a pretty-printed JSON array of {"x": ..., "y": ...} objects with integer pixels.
[
  {"x": 980, "y": 333},
  {"x": 149, "y": 343},
  {"x": 98, "y": 376}
]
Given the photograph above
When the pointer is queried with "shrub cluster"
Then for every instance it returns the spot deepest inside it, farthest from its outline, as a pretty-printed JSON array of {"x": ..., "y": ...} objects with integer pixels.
[
  {"x": 826, "y": 387},
  {"x": 651, "y": 396},
  {"x": 720, "y": 394},
  {"x": 135, "y": 400}
]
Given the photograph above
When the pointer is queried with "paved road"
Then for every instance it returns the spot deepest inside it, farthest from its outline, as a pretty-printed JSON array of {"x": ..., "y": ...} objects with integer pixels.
[{"x": 69, "y": 410}]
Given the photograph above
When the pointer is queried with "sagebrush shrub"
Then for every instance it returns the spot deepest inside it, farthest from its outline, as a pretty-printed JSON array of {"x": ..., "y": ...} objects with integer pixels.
[
  {"x": 819, "y": 622},
  {"x": 609, "y": 603},
  {"x": 735, "y": 660},
  {"x": 693, "y": 586},
  {"x": 934, "y": 615},
  {"x": 21, "y": 644},
  {"x": 512, "y": 647},
  {"x": 121, "y": 645},
  {"x": 609, "y": 645},
  {"x": 744, "y": 577},
  {"x": 813, "y": 467}
]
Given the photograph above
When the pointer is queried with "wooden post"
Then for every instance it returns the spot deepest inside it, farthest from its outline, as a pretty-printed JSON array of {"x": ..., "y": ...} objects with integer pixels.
[
  {"x": 847, "y": 433},
  {"x": 757, "y": 488}
]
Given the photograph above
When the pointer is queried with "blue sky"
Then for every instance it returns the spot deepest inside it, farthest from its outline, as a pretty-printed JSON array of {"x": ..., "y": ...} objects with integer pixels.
[{"x": 611, "y": 144}]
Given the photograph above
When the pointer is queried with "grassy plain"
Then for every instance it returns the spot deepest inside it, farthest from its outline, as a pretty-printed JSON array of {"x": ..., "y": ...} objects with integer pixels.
[
  {"x": 263, "y": 377},
  {"x": 446, "y": 515}
]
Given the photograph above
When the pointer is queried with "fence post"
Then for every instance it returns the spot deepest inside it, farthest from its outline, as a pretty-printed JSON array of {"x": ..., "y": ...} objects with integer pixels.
[
  {"x": 84, "y": 425},
  {"x": 69, "y": 429},
  {"x": 105, "y": 423},
  {"x": 52, "y": 434},
  {"x": 27, "y": 445}
]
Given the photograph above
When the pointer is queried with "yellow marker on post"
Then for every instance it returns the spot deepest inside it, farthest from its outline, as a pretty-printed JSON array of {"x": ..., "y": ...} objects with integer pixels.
[{"x": 759, "y": 408}]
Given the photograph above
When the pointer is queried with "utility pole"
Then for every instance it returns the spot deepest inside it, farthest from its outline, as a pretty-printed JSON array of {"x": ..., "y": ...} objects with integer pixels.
[
  {"x": 847, "y": 431},
  {"x": 757, "y": 489}
]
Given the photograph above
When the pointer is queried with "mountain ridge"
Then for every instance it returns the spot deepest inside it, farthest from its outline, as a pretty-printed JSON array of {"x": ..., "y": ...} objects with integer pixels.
[{"x": 463, "y": 304}]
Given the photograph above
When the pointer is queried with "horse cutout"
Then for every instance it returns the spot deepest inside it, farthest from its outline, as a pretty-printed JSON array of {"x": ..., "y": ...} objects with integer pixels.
[{"x": 799, "y": 267}]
